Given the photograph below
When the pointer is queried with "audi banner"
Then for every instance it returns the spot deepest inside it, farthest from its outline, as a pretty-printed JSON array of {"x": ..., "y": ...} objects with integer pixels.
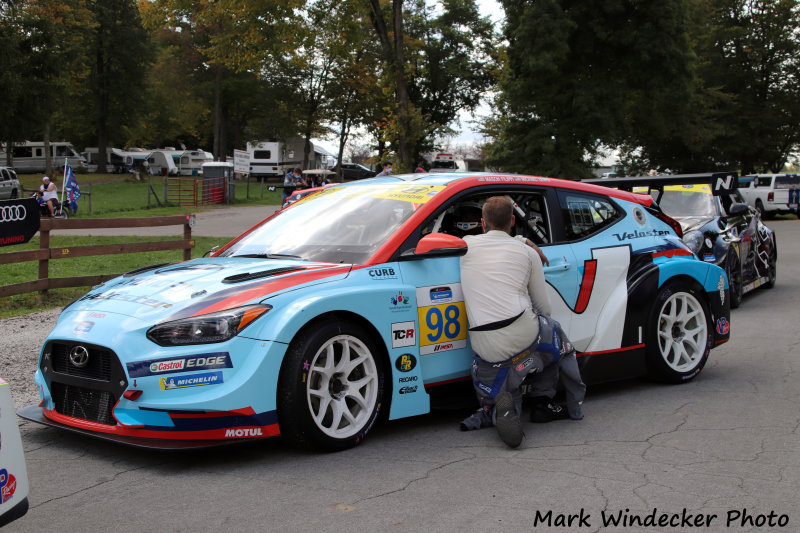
[{"x": 19, "y": 220}]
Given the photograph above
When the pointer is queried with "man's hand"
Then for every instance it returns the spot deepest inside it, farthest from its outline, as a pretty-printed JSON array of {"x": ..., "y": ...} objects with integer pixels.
[{"x": 545, "y": 261}]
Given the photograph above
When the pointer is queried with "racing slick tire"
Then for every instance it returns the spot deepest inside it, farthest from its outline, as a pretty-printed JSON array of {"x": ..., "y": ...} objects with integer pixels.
[
  {"x": 680, "y": 332},
  {"x": 733, "y": 269},
  {"x": 330, "y": 387}
]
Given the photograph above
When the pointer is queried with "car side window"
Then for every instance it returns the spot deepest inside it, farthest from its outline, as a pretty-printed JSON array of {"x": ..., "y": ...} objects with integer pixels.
[
  {"x": 586, "y": 214},
  {"x": 764, "y": 182},
  {"x": 463, "y": 216}
]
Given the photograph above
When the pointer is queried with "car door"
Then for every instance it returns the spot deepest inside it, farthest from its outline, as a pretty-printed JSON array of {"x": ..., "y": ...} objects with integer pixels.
[
  {"x": 588, "y": 268},
  {"x": 5, "y": 184}
]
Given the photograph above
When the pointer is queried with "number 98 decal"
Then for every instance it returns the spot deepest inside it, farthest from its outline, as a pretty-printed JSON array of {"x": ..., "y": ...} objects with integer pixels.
[{"x": 442, "y": 318}]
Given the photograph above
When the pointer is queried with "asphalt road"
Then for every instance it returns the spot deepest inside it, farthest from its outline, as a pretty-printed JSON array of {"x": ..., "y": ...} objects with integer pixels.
[
  {"x": 214, "y": 222},
  {"x": 719, "y": 453}
]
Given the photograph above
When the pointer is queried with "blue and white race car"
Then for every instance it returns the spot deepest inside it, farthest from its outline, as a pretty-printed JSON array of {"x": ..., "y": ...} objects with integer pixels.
[{"x": 347, "y": 305}]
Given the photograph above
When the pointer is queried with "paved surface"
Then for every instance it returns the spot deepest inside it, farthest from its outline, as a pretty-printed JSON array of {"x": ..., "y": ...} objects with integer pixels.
[
  {"x": 724, "y": 444},
  {"x": 219, "y": 222}
]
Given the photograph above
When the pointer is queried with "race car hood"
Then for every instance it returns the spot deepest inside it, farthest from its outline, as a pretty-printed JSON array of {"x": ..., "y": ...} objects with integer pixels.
[
  {"x": 693, "y": 223},
  {"x": 200, "y": 286}
]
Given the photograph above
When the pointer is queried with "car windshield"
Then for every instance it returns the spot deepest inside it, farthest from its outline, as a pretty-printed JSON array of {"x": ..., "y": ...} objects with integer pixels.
[
  {"x": 689, "y": 202},
  {"x": 344, "y": 224}
]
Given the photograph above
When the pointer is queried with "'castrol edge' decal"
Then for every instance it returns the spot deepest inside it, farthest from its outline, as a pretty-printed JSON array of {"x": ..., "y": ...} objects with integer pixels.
[{"x": 174, "y": 365}]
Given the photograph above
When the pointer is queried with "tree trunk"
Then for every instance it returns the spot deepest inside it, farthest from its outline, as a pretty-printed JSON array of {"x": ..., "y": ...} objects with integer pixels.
[
  {"x": 344, "y": 132},
  {"x": 48, "y": 160},
  {"x": 217, "y": 111},
  {"x": 401, "y": 94}
]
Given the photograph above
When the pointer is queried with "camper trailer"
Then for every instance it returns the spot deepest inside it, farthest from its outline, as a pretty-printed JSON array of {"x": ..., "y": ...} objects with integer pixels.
[
  {"x": 115, "y": 160},
  {"x": 275, "y": 158},
  {"x": 30, "y": 156},
  {"x": 162, "y": 163},
  {"x": 190, "y": 162}
]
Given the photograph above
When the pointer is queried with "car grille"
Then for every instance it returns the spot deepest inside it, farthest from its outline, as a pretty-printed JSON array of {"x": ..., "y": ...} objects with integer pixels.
[
  {"x": 88, "y": 392},
  {"x": 99, "y": 366},
  {"x": 80, "y": 402}
]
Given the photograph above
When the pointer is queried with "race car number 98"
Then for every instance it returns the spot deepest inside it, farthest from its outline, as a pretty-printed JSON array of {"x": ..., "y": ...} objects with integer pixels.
[{"x": 442, "y": 323}]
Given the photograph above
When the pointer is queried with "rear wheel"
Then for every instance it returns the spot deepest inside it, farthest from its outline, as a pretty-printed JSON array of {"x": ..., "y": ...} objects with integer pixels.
[
  {"x": 681, "y": 333},
  {"x": 330, "y": 387},
  {"x": 733, "y": 267}
]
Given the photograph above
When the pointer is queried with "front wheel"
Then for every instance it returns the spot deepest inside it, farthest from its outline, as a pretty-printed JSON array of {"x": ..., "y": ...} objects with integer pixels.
[
  {"x": 681, "y": 333},
  {"x": 330, "y": 387}
]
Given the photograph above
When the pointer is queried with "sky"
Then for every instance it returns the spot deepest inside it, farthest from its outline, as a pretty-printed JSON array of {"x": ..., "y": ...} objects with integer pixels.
[{"x": 468, "y": 134}]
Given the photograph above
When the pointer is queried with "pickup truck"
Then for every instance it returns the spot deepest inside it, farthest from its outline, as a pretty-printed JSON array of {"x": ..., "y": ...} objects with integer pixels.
[{"x": 771, "y": 193}]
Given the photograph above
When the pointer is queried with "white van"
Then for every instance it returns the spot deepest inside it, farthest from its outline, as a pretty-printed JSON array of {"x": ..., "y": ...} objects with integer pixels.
[{"x": 30, "y": 156}]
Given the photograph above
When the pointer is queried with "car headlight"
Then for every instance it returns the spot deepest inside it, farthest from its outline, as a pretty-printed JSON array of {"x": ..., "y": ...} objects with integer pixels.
[
  {"x": 206, "y": 329},
  {"x": 694, "y": 240}
]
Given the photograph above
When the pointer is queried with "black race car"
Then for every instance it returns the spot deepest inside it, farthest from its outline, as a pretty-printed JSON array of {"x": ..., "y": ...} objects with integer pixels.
[{"x": 717, "y": 225}]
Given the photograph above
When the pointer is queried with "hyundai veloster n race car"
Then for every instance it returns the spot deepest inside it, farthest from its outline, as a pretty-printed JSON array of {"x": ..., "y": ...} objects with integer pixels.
[
  {"x": 718, "y": 226},
  {"x": 347, "y": 305}
]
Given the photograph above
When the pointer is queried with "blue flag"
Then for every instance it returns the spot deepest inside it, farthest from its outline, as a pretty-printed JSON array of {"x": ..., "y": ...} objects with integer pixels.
[{"x": 73, "y": 191}]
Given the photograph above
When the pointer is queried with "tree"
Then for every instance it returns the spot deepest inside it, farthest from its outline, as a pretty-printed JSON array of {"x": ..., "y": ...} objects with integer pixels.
[
  {"x": 581, "y": 73},
  {"x": 119, "y": 57}
]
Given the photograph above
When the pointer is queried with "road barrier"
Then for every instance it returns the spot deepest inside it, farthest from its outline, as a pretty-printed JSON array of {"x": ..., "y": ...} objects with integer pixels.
[{"x": 44, "y": 254}]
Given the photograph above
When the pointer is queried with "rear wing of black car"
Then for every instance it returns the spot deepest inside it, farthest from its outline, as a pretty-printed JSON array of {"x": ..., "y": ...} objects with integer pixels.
[{"x": 721, "y": 183}]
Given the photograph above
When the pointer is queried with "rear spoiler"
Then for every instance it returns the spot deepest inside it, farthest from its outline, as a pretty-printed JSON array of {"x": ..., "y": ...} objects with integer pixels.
[{"x": 720, "y": 182}]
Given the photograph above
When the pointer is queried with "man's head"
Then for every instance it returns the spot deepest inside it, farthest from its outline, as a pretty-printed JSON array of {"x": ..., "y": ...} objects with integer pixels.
[
  {"x": 297, "y": 171},
  {"x": 387, "y": 167},
  {"x": 498, "y": 214},
  {"x": 45, "y": 180}
]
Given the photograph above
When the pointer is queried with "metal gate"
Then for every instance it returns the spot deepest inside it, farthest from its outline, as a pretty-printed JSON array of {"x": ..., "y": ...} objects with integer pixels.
[{"x": 194, "y": 192}]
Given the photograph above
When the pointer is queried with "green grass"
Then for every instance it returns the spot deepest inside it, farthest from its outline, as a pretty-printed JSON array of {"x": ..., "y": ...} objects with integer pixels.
[
  {"x": 116, "y": 195},
  {"x": 83, "y": 266}
]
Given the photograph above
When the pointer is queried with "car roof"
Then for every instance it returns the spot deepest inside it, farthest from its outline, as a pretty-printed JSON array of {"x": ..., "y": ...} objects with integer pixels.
[{"x": 465, "y": 180}]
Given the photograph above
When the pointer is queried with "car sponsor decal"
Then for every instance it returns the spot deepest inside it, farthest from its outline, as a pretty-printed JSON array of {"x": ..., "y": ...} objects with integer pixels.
[
  {"x": 636, "y": 234},
  {"x": 191, "y": 380},
  {"x": 403, "y": 334},
  {"x": 442, "y": 318},
  {"x": 382, "y": 273},
  {"x": 83, "y": 328},
  {"x": 408, "y": 390},
  {"x": 8, "y": 485},
  {"x": 721, "y": 287},
  {"x": 175, "y": 365},
  {"x": 416, "y": 194},
  {"x": 405, "y": 363},
  {"x": 399, "y": 302},
  {"x": 723, "y": 326}
]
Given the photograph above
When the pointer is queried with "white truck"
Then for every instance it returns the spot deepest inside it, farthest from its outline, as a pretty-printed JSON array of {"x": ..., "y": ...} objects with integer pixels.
[
  {"x": 443, "y": 162},
  {"x": 771, "y": 194}
]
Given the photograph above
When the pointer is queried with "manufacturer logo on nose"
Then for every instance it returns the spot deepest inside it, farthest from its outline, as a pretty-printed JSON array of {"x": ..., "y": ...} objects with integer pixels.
[{"x": 79, "y": 356}]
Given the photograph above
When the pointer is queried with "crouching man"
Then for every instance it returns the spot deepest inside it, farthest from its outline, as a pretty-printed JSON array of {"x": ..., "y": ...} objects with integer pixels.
[{"x": 511, "y": 333}]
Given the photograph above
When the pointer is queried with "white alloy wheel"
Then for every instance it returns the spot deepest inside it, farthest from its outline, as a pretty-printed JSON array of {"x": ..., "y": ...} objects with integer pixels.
[
  {"x": 342, "y": 387},
  {"x": 682, "y": 332}
]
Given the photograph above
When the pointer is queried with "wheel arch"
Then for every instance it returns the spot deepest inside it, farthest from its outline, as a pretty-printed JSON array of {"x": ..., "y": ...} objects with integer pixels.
[{"x": 362, "y": 322}]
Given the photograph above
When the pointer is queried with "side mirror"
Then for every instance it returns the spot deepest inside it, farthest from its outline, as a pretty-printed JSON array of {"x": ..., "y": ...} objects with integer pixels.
[
  {"x": 437, "y": 245},
  {"x": 738, "y": 210}
]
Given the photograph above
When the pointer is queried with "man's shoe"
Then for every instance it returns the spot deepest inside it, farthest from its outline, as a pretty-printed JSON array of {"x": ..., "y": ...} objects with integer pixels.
[
  {"x": 548, "y": 412},
  {"x": 509, "y": 426}
]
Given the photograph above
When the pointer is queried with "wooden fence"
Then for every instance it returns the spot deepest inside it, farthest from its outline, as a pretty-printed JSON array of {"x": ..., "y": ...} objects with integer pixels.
[{"x": 45, "y": 254}]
